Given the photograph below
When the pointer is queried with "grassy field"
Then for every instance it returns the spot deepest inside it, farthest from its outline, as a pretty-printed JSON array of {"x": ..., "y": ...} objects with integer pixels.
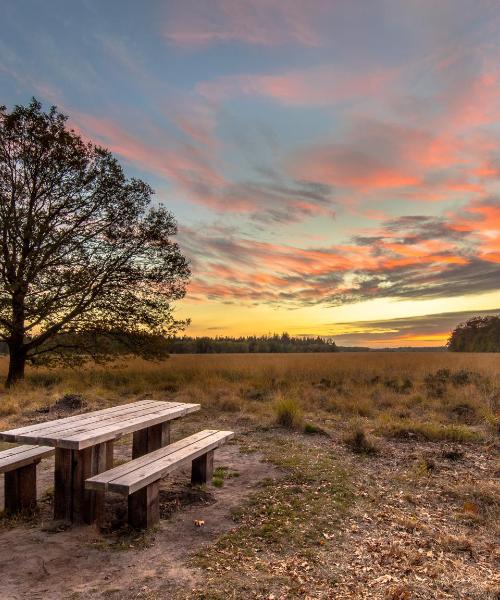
[
  {"x": 441, "y": 394},
  {"x": 386, "y": 462}
]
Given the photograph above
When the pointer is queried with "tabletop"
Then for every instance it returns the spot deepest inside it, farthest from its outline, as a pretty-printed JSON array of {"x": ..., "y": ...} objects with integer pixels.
[{"x": 88, "y": 429}]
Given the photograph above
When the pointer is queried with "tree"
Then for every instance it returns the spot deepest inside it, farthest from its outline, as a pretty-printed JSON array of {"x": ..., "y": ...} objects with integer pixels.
[
  {"x": 84, "y": 254},
  {"x": 479, "y": 334}
]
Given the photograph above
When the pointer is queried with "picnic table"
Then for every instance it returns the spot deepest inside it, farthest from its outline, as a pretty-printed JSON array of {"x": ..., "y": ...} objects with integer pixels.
[{"x": 84, "y": 447}]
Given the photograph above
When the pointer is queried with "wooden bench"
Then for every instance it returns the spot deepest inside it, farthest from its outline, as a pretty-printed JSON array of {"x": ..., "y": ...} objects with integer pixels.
[
  {"x": 84, "y": 447},
  {"x": 139, "y": 478},
  {"x": 19, "y": 465}
]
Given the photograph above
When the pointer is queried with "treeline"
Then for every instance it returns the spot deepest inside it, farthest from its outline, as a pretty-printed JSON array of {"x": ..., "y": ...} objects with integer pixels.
[
  {"x": 252, "y": 344},
  {"x": 479, "y": 334},
  {"x": 115, "y": 344}
]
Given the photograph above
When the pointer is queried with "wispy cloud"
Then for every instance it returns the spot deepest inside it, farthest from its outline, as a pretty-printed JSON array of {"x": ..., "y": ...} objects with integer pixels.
[
  {"x": 193, "y": 24},
  {"x": 422, "y": 330},
  {"x": 309, "y": 87},
  {"x": 416, "y": 257}
]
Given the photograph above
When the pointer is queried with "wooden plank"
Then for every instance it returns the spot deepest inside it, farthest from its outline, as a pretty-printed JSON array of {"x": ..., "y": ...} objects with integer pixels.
[
  {"x": 98, "y": 414},
  {"x": 151, "y": 438},
  {"x": 63, "y": 505},
  {"x": 20, "y": 489},
  {"x": 60, "y": 435},
  {"x": 99, "y": 463},
  {"x": 16, "y": 449},
  {"x": 202, "y": 468},
  {"x": 98, "y": 501},
  {"x": 81, "y": 498},
  {"x": 109, "y": 454},
  {"x": 71, "y": 425},
  {"x": 100, "y": 481},
  {"x": 124, "y": 426},
  {"x": 27, "y": 455},
  {"x": 144, "y": 507},
  {"x": 139, "y": 478},
  {"x": 112, "y": 428}
]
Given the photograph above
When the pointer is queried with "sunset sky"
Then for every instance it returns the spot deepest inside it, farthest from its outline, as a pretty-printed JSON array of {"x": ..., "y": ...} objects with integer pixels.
[{"x": 334, "y": 165}]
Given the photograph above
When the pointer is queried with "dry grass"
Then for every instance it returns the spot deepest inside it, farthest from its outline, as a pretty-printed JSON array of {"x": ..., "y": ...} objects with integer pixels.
[
  {"x": 432, "y": 396},
  {"x": 335, "y": 519},
  {"x": 288, "y": 412}
]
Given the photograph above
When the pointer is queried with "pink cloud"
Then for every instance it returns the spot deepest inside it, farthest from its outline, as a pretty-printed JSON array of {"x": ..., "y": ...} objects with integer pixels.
[
  {"x": 195, "y": 168},
  {"x": 315, "y": 86},
  {"x": 258, "y": 22},
  {"x": 481, "y": 219},
  {"x": 175, "y": 161},
  {"x": 373, "y": 155}
]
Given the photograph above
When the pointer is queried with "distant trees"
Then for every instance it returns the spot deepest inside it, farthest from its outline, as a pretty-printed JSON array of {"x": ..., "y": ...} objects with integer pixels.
[
  {"x": 479, "y": 334},
  {"x": 252, "y": 344},
  {"x": 84, "y": 257}
]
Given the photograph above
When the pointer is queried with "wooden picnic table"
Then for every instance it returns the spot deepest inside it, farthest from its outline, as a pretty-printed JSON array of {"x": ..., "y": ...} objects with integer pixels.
[{"x": 84, "y": 447}]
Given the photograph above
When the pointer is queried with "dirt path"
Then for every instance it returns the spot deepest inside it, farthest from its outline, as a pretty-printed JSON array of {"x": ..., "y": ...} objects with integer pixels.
[{"x": 82, "y": 563}]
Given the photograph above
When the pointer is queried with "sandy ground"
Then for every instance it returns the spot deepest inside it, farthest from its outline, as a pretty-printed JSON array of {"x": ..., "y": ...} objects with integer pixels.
[{"x": 38, "y": 563}]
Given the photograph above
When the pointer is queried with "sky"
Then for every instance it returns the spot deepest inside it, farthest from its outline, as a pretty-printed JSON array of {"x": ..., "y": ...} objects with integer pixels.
[{"x": 334, "y": 165}]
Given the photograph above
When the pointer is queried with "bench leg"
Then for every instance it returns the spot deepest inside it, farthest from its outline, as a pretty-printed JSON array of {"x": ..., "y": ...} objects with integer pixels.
[
  {"x": 20, "y": 489},
  {"x": 151, "y": 438},
  {"x": 144, "y": 507},
  {"x": 202, "y": 468}
]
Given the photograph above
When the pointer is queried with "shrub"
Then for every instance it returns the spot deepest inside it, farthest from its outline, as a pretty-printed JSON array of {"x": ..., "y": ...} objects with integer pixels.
[
  {"x": 44, "y": 379},
  {"x": 432, "y": 432},
  {"x": 288, "y": 413},
  {"x": 357, "y": 441},
  {"x": 400, "y": 386},
  {"x": 464, "y": 412},
  {"x": 463, "y": 377},
  {"x": 436, "y": 383},
  {"x": 312, "y": 429}
]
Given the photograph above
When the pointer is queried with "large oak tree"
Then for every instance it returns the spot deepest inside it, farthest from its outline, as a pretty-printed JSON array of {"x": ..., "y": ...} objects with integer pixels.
[{"x": 84, "y": 254}]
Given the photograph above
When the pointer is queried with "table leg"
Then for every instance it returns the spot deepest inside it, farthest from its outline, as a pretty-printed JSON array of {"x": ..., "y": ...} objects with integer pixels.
[
  {"x": 151, "y": 438},
  {"x": 72, "y": 501},
  {"x": 63, "y": 505},
  {"x": 102, "y": 460}
]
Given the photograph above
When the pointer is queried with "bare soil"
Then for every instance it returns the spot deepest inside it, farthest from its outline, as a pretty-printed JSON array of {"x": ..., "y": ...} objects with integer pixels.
[{"x": 40, "y": 560}]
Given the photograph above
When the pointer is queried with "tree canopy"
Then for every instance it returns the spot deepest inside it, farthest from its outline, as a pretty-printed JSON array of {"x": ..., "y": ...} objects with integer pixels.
[
  {"x": 250, "y": 344},
  {"x": 84, "y": 252},
  {"x": 479, "y": 334}
]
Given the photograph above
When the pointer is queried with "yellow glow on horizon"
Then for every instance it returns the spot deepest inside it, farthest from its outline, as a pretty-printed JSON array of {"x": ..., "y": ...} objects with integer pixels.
[{"x": 215, "y": 318}]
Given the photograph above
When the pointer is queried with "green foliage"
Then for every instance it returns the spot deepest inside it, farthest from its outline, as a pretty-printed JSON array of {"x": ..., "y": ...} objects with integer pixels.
[
  {"x": 312, "y": 429},
  {"x": 84, "y": 253},
  {"x": 479, "y": 334},
  {"x": 283, "y": 343}
]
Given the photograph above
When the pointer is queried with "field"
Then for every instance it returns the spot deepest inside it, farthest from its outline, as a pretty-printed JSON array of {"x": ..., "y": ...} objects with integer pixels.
[{"x": 351, "y": 476}]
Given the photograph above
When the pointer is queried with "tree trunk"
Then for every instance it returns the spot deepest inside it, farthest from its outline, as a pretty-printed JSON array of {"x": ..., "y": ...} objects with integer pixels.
[
  {"x": 17, "y": 349},
  {"x": 16, "y": 365}
]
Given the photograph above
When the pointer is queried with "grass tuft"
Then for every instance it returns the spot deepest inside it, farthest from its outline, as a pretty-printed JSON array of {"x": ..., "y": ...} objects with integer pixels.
[
  {"x": 288, "y": 412},
  {"x": 406, "y": 429},
  {"x": 357, "y": 441}
]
